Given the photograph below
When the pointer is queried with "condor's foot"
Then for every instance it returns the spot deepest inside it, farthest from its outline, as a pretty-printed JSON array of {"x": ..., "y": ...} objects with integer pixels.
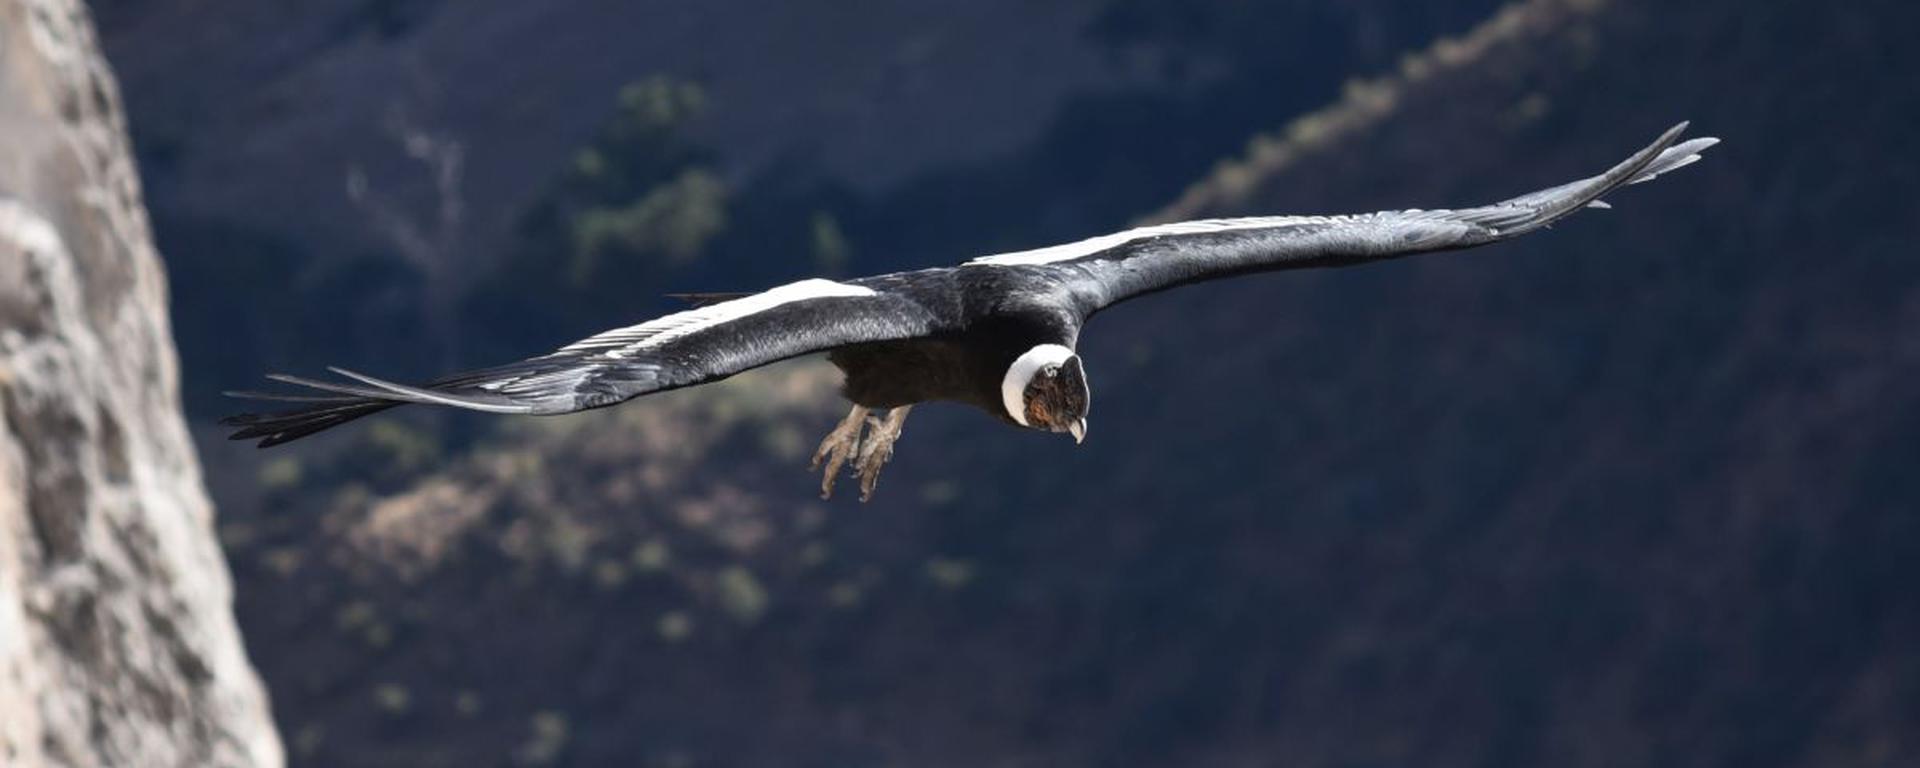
[
  {"x": 842, "y": 443},
  {"x": 878, "y": 448}
]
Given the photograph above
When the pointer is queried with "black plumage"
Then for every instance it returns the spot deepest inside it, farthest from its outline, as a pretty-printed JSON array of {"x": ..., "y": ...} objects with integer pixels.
[{"x": 992, "y": 332}]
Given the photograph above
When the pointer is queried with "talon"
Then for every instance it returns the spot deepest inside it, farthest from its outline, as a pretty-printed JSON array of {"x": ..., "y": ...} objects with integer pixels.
[
  {"x": 840, "y": 445},
  {"x": 877, "y": 449}
]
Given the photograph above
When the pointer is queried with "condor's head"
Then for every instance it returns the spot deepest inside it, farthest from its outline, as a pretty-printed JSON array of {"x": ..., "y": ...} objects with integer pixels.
[{"x": 1047, "y": 389}]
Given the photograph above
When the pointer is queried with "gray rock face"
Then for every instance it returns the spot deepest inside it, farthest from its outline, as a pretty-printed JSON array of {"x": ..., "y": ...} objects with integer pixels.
[{"x": 117, "y": 640}]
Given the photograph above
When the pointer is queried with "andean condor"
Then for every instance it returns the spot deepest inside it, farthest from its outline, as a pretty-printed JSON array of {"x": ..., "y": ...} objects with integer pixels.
[{"x": 997, "y": 332}]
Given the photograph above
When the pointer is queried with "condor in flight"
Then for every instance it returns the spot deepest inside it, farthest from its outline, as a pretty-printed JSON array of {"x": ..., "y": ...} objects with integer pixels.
[{"x": 997, "y": 332}]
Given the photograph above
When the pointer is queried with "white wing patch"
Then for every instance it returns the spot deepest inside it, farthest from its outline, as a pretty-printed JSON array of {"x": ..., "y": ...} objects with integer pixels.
[
  {"x": 633, "y": 339},
  {"x": 1070, "y": 251}
]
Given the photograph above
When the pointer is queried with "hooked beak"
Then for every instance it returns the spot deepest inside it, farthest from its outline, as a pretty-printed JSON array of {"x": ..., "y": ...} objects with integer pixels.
[{"x": 1079, "y": 430}]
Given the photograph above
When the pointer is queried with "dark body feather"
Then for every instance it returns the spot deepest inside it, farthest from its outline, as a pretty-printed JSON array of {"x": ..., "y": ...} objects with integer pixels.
[
  {"x": 989, "y": 317},
  {"x": 890, "y": 374}
]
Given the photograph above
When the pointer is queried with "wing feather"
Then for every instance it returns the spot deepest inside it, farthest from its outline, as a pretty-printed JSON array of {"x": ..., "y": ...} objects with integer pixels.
[
  {"x": 1150, "y": 259},
  {"x": 681, "y": 349}
]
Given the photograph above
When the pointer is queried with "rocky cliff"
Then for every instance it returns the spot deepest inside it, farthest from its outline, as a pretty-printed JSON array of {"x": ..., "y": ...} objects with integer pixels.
[{"x": 117, "y": 640}]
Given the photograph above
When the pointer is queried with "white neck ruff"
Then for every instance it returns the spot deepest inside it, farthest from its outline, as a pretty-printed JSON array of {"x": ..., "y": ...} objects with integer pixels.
[{"x": 1013, "y": 388}]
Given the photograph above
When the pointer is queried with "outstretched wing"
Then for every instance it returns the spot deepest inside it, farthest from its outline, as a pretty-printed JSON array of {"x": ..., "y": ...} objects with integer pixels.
[
  {"x": 1112, "y": 268},
  {"x": 682, "y": 349}
]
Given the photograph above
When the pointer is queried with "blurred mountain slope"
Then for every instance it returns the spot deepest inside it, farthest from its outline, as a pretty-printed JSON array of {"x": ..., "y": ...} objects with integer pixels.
[
  {"x": 1630, "y": 491},
  {"x": 249, "y": 112},
  {"x": 1636, "y": 491},
  {"x": 117, "y": 639}
]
